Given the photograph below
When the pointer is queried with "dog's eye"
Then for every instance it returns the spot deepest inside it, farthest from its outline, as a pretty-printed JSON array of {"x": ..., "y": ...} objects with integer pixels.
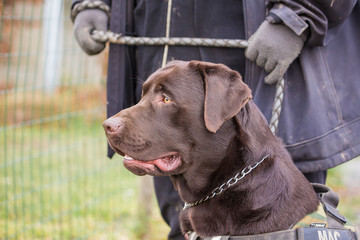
[{"x": 166, "y": 99}]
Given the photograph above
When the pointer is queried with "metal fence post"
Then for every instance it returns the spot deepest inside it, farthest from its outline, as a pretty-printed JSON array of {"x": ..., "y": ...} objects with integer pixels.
[{"x": 52, "y": 38}]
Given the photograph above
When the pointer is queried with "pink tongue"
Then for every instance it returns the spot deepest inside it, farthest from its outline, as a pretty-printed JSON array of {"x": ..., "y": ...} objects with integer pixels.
[{"x": 167, "y": 164}]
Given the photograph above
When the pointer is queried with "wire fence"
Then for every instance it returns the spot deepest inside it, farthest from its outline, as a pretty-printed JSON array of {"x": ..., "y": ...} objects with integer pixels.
[{"x": 55, "y": 179}]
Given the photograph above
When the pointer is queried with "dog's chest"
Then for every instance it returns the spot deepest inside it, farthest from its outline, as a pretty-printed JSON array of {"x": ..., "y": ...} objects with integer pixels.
[{"x": 206, "y": 222}]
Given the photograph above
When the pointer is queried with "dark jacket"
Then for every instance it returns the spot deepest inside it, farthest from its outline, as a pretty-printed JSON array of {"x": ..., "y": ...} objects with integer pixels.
[{"x": 320, "y": 118}]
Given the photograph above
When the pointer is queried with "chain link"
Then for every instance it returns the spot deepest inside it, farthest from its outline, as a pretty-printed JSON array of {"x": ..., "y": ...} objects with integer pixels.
[{"x": 232, "y": 181}]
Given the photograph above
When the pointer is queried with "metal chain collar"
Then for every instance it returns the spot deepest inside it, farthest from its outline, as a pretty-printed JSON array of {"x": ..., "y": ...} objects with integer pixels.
[
  {"x": 89, "y": 4},
  {"x": 226, "y": 185}
]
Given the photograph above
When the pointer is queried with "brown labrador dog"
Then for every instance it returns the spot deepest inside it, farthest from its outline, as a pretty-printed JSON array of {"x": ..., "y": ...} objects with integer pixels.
[{"x": 196, "y": 122}]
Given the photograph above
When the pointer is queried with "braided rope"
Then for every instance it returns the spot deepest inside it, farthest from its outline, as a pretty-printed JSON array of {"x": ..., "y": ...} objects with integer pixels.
[
  {"x": 89, "y": 4},
  {"x": 102, "y": 36},
  {"x": 108, "y": 36},
  {"x": 276, "y": 110}
]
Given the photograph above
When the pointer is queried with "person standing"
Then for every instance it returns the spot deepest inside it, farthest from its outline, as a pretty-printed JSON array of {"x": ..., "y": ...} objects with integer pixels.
[{"x": 313, "y": 44}]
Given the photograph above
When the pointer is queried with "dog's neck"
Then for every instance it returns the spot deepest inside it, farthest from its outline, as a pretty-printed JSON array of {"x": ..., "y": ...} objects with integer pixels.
[
  {"x": 227, "y": 184},
  {"x": 241, "y": 153}
]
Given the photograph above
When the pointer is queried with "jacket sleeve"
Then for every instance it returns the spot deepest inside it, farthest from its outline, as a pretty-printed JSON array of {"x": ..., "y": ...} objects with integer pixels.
[{"x": 311, "y": 17}]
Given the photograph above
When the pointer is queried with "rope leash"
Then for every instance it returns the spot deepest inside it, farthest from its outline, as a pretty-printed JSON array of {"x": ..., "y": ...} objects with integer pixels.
[
  {"x": 101, "y": 36},
  {"x": 276, "y": 109},
  {"x": 115, "y": 38}
]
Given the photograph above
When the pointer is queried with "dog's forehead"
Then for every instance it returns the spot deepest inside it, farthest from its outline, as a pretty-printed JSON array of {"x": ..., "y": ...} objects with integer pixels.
[
  {"x": 174, "y": 73},
  {"x": 170, "y": 71}
]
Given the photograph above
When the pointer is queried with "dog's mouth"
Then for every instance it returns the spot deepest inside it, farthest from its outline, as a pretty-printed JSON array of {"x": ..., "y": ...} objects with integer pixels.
[{"x": 167, "y": 165}]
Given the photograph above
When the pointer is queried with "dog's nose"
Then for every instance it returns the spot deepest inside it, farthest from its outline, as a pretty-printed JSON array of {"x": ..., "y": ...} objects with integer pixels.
[{"x": 112, "y": 125}]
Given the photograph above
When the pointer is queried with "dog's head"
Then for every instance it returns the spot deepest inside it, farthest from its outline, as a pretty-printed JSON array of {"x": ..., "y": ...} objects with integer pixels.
[{"x": 182, "y": 117}]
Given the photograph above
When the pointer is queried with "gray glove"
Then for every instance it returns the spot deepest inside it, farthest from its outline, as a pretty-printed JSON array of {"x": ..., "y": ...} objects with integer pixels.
[
  {"x": 274, "y": 47},
  {"x": 86, "y": 21}
]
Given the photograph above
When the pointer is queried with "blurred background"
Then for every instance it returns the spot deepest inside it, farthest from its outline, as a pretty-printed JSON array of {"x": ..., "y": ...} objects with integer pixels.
[{"x": 55, "y": 179}]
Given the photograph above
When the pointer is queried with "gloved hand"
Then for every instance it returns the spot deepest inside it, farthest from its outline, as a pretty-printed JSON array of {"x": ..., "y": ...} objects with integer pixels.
[
  {"x": 274, "y": 47},
  {"x": 86, "y": 21}
]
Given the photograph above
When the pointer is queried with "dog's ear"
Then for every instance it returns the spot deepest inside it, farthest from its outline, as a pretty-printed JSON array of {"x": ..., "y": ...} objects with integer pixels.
[{"x": 225, "y": 93}]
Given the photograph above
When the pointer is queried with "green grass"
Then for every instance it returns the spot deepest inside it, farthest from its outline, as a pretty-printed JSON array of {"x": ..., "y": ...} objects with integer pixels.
[
  {"x": 55, "y": 179},
  {"x": 56, "y": 183},
  {"x": 345, "y": 181}
]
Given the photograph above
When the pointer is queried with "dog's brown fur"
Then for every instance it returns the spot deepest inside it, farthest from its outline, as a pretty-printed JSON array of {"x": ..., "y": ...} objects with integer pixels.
[{"x": 201, "y": 114}]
